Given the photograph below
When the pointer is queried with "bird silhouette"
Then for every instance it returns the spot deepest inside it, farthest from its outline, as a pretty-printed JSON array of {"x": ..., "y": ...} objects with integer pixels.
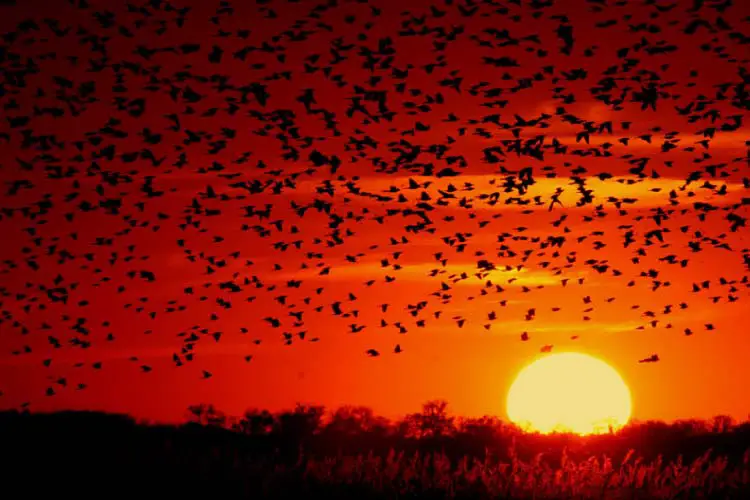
[{"x": 256, "y": 187}]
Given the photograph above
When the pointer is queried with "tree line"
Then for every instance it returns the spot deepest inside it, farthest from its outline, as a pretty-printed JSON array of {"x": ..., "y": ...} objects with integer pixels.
[{"x": 356, "y": 429}]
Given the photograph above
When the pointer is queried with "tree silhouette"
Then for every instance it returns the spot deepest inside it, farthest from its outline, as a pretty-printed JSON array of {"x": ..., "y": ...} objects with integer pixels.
[
  {"x": 207, "y": 415},
  {"x": 301, "y": 423},
  {"x": 352, "y": 420},
  {"x": 432, "y": 422},
  {"x": 722, "y": 423},
  {"x": 255, "y": 423}
]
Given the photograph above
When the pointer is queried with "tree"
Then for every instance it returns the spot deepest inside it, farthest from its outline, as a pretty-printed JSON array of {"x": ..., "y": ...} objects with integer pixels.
[
  {"x": 301, "y": 423},
  {"x": 206, "y": 415},
  {"x": 691, "y": 427},
  {"x": 433, "y": 421},
  {"x": 352, "y": 420},
  {"x": 255, "y": 423},
  {"x": 484, "y": 428},
  {"x": 722, "y": 423}
]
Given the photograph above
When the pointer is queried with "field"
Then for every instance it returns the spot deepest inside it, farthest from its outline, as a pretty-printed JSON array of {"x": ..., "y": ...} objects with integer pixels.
[{"x": 351, "y": 453}]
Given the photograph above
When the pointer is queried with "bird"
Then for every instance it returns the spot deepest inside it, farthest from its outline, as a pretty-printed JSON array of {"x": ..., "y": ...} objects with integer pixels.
[{"x": 396, "y": 188}]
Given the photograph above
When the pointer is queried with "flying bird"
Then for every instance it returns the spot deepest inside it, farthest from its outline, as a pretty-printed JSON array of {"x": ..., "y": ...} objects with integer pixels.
[{"x": 159, "y": 188}]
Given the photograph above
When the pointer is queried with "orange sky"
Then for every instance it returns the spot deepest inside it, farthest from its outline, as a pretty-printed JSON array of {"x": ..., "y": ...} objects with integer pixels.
[{"x": 699, "y": 376}]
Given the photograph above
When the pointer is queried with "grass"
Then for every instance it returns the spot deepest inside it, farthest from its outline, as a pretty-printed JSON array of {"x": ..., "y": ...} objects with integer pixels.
[{"x": 437, "y": 475}]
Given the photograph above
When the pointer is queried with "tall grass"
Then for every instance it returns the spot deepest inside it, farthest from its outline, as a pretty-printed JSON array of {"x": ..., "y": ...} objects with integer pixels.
[{"x": 399, "y": 475}]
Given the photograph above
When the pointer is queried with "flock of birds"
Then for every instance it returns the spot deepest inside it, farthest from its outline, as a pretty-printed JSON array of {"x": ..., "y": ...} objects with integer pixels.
[{"x": 224, "y": 165}]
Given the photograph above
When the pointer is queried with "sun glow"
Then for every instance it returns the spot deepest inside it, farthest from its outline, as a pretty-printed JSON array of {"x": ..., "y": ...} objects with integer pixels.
[{"x": 569, "y": 392}]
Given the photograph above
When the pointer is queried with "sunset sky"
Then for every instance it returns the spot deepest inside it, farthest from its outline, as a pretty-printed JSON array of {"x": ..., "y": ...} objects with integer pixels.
[{"x": 112, "y": 259}]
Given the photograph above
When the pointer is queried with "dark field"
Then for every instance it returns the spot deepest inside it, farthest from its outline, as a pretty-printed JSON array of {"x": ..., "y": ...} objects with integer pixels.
[{"x": 351, "y": 453}]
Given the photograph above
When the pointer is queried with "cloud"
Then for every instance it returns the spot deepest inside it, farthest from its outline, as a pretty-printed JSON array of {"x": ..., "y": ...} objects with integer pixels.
[
  {"x": 630, "y": 191},
  {"x": 421, "y": 271}
]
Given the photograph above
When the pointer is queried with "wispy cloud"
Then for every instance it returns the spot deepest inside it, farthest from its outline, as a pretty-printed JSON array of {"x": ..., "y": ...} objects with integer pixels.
[
  {"x": 478, "y": 189},
  {"x": 451, "y": 274}
]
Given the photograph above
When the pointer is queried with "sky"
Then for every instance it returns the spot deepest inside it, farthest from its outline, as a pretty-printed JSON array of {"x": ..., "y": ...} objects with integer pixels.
[{"x": 214, "y": 202}]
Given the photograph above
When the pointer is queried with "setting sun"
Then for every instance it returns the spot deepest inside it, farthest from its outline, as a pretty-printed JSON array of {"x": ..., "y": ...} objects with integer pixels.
[{"x": 569, "y": 392}]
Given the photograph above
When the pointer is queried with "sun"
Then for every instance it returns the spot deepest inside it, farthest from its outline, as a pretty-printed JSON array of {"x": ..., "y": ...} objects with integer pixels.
[{"x": 569, "y": 392}]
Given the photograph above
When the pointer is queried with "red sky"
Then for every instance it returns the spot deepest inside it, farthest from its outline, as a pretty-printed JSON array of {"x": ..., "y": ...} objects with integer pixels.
[{"x": 623, "y": 288}]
